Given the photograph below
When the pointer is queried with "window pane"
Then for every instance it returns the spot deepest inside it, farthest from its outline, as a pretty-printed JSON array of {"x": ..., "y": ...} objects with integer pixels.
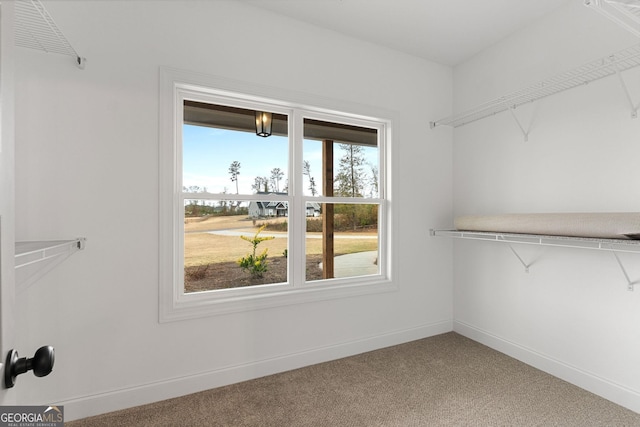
[
  {"x": 219, "y": 238},
  {"x": 223, "y": 154},
  {"x": 352, "y": 251},
  {"x": 350, "y": 152}
]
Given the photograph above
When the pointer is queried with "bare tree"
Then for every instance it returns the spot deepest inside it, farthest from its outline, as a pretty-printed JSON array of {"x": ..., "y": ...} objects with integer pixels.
[
  {"x": 373, "y": 180},
  {"x": 260, "y": 183},
  {"x": 194, "y": 189},
  {"x": 276, "y": 176},
  {"x": 223, "y": 203},
  {"x": 306, "y": 170},
  {"x": 312, "y": 186}
]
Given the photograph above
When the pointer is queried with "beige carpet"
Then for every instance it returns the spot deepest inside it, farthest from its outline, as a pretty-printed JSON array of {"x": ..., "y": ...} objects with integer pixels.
[{"x": 446, "y": 380}]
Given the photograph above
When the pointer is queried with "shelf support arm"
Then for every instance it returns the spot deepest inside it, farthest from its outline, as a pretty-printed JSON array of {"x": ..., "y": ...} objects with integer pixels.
[
  {"x": 524, "y": 264},
  {"x": 634, "y": 107},
  {"x": 630, "y": 283},
  {"x": 525, "y": 133}
]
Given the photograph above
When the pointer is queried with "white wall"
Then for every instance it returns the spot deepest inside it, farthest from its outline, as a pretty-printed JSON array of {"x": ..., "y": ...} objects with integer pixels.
[
  {"x": 87, "y": 165},
  {"x": 7, "y": 186},
  {"x": 571, "y": 315}
]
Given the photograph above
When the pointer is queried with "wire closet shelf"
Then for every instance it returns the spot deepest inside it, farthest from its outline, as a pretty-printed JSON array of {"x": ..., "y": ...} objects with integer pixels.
[
  {"x": 613, "y": 246},
  {"x": 617, "y": 245},
  {"x": 36, "y": 29},
  {"x": 595, "y": 70},
  {"x": 625, "y": 13},
  {"x": 33, "y": 259}
]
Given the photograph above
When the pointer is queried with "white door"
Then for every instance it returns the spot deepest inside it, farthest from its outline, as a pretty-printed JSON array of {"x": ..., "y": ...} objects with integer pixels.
[{"x": 7, "y": 198}]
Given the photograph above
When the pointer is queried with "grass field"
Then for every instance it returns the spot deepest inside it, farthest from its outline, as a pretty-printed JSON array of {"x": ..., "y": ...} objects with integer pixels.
[{"x": 204, "y": 248}]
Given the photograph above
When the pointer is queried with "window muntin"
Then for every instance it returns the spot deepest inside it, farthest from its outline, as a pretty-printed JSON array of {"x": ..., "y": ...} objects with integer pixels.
[{"x": 178, "y": 87}]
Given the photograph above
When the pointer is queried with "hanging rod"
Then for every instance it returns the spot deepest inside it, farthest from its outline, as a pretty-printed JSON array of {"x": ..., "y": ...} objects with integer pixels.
[
  {"x": 35, "y": 29},
  {"x": 585, "y": 74}
]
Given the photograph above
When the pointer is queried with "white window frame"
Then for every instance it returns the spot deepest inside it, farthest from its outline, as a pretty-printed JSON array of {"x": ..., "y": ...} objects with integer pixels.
[{"x": 174, "y": 304}]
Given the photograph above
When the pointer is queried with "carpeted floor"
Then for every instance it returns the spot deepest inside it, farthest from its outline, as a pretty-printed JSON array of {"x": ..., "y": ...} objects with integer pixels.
[{"x": 446, "y": 380}]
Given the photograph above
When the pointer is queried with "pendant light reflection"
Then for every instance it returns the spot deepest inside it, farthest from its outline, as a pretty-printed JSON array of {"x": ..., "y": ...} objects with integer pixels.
[{"x": 263, "y": 123}]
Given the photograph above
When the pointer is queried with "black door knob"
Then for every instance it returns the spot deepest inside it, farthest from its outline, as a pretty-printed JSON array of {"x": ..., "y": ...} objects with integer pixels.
[{"x": 41, "y": 363}]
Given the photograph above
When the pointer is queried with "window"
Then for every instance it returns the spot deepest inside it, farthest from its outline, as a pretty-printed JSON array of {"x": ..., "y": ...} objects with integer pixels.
[{"x": 249, "y": 221}]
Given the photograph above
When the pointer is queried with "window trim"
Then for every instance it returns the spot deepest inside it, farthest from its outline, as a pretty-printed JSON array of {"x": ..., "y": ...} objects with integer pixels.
[{"x": 174, "y": 304}]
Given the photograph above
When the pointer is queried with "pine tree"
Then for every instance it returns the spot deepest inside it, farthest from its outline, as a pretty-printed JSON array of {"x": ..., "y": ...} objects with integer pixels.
[
  {"x": 350, "y": 179},
  {"x": 234, "y": 171}
]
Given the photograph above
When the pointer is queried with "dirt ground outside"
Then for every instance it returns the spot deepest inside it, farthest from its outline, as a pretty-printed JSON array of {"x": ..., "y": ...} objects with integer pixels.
[{"x": 221, "y": 275}]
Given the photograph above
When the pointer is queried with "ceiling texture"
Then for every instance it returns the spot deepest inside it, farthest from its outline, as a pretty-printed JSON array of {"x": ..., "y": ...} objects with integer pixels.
[{"x": 445, "y": 31}]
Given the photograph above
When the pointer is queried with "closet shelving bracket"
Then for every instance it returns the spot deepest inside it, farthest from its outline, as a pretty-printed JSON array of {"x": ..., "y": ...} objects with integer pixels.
[
  {"x": 634, "y": 107},
  {"x": 525, "y": 133},
  {"x": 592, "y": 71},
  {"x": 614, "y": 246},
  {"x": 524, "y": 264},
  {"x": 630, "y": 284}
]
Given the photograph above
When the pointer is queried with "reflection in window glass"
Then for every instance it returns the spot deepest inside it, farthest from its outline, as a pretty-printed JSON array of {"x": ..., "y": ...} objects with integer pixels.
[
  {"x": 341, "y": 240},
  {"x": 225, "y": 247}
]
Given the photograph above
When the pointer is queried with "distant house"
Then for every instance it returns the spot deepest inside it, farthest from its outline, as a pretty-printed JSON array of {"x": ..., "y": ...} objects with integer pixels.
[
  {"x": 268, "y": 208},
  {"x": 313, "y": 209},
  {"x": 273, "y": 208}
]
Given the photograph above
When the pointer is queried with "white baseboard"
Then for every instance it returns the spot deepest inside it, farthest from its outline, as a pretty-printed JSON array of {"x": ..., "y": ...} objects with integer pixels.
[
  {"x": 100, "y": 403},
  {"x": 609, "y": 390}
]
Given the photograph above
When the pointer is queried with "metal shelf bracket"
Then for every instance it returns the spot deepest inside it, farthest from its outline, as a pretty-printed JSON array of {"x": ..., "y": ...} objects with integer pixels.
[
  {"x": 524, "y": 264},
  {"x": 630, "y": 283},
  {"x": 522, "y": 261},
  {"x": 525, "y": 133},
  {"x": 634, "y": 107}
]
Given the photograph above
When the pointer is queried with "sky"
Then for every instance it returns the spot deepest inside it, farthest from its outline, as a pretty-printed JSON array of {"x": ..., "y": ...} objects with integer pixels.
[{"x": 208, "y": 153}]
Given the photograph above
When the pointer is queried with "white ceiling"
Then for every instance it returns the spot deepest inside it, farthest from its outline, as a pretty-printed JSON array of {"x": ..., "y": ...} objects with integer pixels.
[{"x": 444, "y": 31}]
